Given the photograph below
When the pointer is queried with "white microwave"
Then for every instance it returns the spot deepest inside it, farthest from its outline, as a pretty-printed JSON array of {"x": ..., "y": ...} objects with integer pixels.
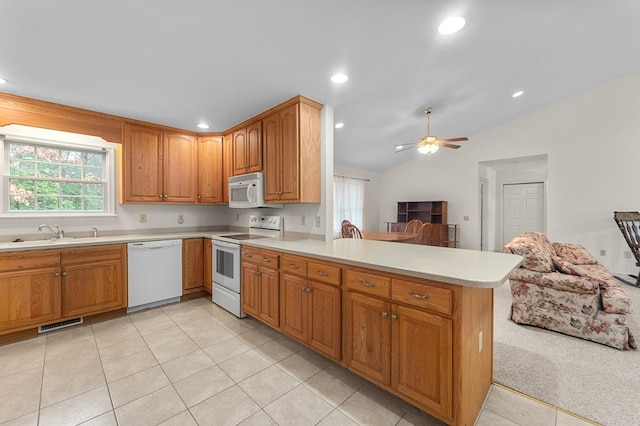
[{"x": 247, "y": 192}]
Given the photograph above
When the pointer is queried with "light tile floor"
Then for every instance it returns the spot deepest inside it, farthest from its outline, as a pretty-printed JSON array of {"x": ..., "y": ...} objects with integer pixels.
[{"x": 194, "y": 364}]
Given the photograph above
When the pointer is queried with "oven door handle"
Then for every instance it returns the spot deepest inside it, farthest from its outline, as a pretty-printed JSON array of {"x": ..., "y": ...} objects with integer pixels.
[{"x": 225, "y": 244}]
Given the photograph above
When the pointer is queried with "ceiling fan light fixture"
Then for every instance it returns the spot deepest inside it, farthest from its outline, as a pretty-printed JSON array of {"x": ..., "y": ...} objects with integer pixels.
[
  {"x": 428, "y": 149},
  {"x": 451, "y": 25}
]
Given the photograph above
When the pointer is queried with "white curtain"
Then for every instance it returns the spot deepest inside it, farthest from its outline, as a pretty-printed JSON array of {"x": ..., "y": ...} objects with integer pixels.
[{"x": 348, "y": 202}]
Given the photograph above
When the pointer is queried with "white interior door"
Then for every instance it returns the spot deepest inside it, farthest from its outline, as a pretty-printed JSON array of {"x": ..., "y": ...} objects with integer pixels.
[{"x": 523, "y": 209}]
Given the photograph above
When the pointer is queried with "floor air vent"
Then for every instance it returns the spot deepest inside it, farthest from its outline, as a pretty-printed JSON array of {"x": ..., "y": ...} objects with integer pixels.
[{"x": 59, "y": 325}]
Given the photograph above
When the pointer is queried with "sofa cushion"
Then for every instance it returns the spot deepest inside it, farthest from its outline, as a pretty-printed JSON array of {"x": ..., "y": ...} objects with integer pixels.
[
  {"x": 574, "y": 253},
  {"x": 568, "y": 267},
  {"x": 536, "y": 249}
]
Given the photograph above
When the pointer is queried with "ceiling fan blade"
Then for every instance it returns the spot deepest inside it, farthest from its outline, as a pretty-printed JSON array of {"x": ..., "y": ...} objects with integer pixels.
[
  {"x": 449, "y": 145},
  {"x": 405, "y": 147},
  {"x": 462, "y": 139}
]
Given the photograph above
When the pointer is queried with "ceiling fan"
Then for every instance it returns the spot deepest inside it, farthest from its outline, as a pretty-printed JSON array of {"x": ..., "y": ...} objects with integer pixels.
[{"x": 430, "y": 143}]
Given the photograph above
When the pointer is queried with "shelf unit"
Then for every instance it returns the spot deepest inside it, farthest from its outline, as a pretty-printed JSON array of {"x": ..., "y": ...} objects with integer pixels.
[{"x": 427, "y": 211}]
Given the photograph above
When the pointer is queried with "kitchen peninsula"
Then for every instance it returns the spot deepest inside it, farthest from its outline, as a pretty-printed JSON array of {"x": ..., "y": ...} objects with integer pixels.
[{"x": 415, "y": 320}]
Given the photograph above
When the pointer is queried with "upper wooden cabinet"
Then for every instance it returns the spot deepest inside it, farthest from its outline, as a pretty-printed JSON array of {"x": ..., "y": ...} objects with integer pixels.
[
  {"x": 247, "y": 149},
  {"x": 210, "y": 169},
  {"x": 158, "y": 166},
  {"x": 291, "y": 139},
  {"x": 227, "y": 165}
]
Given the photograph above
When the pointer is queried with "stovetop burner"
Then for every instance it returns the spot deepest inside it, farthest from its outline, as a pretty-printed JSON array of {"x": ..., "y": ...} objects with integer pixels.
[{"x": 244, "y": 236}]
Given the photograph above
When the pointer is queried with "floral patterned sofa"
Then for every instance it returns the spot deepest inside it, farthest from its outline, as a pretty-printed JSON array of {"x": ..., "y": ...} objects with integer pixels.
[{"x": 561, "y": 287}]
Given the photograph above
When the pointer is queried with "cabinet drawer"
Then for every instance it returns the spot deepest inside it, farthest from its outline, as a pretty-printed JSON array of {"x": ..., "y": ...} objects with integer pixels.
[
  {"x": 260, "y": 257},
  {"x": 293, "y": 265},
  {"x": 323, "y": 272},
  {"x": 22, "y": 260},
  {"x": 92, "y": 254},
  {"x": 369, "y": 283},
  {"x": 426, "y": 296}
]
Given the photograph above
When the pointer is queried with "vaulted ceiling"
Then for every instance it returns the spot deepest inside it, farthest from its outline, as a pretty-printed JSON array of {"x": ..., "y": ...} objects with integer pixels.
[{"x": 178, "y": 63}]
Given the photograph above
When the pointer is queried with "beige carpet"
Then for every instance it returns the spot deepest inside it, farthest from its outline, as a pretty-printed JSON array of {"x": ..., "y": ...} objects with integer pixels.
[{"x": 583, "y": 377}]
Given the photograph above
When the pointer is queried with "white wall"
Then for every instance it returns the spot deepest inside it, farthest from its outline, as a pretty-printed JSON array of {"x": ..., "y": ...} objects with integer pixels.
[
  {"x": 593, "y": 146},
  {"x": 372, "y": 220}
]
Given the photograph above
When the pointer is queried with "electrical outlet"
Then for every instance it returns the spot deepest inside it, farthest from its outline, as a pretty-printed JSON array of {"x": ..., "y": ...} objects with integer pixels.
[
  {"x": 317, "y": 221},
  {"x": 143, "y": 218},
  {"x": 480, "y": 342},
  {"x": 238, "y": 218},
  {"x": 603, "y": 252},
  {"x": 303, "y": 220},
  {"x": 627, "y": 255},
  {"x": 465, "y": 218},
  {"x": 180, "y": 218}
]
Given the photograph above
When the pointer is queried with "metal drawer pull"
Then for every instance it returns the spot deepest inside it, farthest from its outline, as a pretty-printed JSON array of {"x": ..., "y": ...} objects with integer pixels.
[
  {"x": 256, "y": 273},
  {"x": 248, "y": 255},
  {"x": 293, "y": 266},
  {"x": 366, "y": 284},
  {"x": 394, "y": 317},
  {"x": 323, "y": 274},
  {"x": 384, "y": 315},
  {"x": 419, "y": 296},
  {"x": 306, "y": 289},
  {"x": 266, "y": 260}
]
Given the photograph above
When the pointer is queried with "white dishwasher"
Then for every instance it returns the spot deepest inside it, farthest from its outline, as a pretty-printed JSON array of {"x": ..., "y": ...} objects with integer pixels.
[{"x": 155, "y": 273}]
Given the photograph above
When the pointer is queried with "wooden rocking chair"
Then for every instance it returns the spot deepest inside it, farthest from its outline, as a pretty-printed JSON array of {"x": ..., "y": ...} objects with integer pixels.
[{"x": 629, "y": 222}]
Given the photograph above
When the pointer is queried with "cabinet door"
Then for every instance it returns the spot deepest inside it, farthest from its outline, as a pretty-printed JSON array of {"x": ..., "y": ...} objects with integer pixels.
[
  {"x": 29, "y": 298},
  {"x": 368, "y": 337},
  {"x": 142, "y": 164},
  {"x": 254, "y": 147},
  {"x": 250, "y": 286},
  {"x": 324, "y": 319},
  {"x": 180, "y": 153},
  {"x": 269, "y": 297},
  {"x": 91, "y": 288},
  {"x": 192, "y": 265},
  {"x": 208, "y": 264},
  {"x": 272, "y": 157},
  {"x": 421, "y": 358},
  {"x": 293, "y": 306},
  {"x": 289, "y": 165},
  {"x": 227, "y": 166},
  {"x": 210, "y": 163},
  {"x": 240, "y": 152}
]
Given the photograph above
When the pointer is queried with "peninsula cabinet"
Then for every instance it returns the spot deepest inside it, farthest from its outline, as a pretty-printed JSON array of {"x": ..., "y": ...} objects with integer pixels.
[
  {"x": 210, "y": 164},
  {"x": 292, "y": 153},
  {"x": 260, "y": 285},
  {"x": 158, "y": 165},
  {"x": 310, "y": 303},
  {"x": 41, "y": 287},
  {"x": 247, "y": 149},
  {"x": 420, "y": 340}
]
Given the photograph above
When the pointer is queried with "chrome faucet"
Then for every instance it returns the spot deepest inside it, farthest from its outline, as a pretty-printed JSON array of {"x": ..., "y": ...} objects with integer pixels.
[
  {"x": 58, "y": 233},
  {"x": 95, "y": 232}
]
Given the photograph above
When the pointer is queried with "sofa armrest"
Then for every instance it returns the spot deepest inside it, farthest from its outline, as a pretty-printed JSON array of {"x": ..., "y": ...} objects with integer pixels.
[{"x": 558, "y": 281}]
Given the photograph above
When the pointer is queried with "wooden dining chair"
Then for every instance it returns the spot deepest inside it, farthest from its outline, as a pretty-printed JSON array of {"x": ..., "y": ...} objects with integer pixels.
[
  {"x": 344, "y": 225},
  {"x": 413, "y": 226},
  {"x": 351, "y": 231},
  {"x": 424, "y": 234}
]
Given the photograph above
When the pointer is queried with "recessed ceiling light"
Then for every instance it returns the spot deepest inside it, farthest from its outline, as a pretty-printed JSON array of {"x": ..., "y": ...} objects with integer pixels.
[
  {"x": 451, "y": 25},
  {"x": 202, "y": 126},
  {"x": 518, "y": 93},
  {"x": 339, "y": 78},
  {"x": 339, "y": 125},
  {"x": 2, "y": 80}
]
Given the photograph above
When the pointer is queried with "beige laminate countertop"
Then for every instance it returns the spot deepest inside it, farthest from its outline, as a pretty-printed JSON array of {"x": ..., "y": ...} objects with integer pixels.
[
  {"x": 468, "y": 268},
  {"x": 110, "y": 239}
]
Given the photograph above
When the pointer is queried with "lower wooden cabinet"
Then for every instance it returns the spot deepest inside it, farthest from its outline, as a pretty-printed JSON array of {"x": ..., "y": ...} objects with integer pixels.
[
  {"x": 192, "y": 265},
  {"x": 41, "y": 287},
  {"x": 260, "y": 286},
  {"x": 29, "y": 298}
]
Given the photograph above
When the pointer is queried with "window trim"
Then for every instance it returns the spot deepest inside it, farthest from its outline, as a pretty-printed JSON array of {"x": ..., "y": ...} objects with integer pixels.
[{"x": 58, "y": 140}]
